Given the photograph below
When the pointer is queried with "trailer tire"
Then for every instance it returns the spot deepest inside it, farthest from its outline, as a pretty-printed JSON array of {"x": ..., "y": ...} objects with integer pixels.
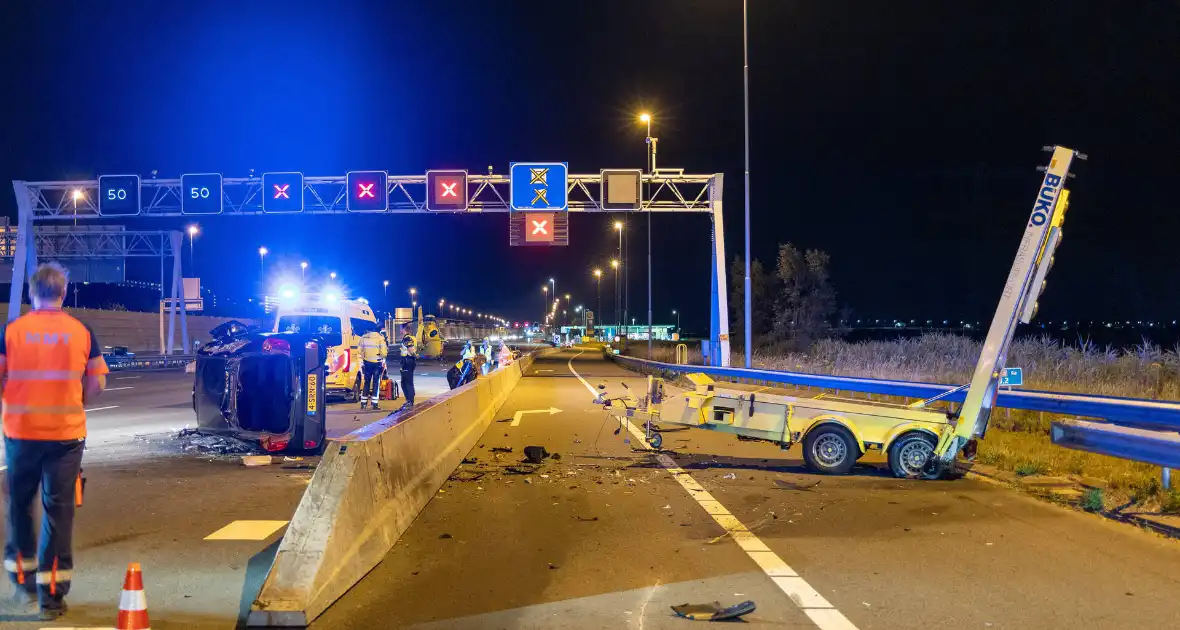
[
  {"x": 830, "y": 449},
  {"x": 905, "y": 453}
]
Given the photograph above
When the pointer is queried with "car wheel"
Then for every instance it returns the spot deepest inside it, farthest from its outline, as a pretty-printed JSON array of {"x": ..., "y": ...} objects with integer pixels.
[
  {"x": 909, "y": 454},
  {"x": 830, "y": 449}
]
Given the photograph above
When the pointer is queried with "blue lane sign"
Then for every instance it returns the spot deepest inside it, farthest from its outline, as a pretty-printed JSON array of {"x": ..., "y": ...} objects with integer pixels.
[
  {"x": 200, "y": 193},
  {"x": 539, "y": 186},
  {"x": 1013, "y": 377},
  {"x": 282, "y": 192},
  {"x": 118, "y": 195}
]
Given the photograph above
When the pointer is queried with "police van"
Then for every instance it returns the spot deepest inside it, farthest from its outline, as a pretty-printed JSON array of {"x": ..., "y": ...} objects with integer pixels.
[{"x": 340, "y": 323}]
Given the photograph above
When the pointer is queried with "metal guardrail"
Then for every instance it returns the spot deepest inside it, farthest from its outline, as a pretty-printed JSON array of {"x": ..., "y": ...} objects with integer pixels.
[
  {"x": 149, "y": 362},
  {"x": 1152, "y": 447},
  {"x": 1158, "y": 415}
]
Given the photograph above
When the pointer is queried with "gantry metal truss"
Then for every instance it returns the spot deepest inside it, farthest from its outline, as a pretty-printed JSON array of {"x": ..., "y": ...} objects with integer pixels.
[
  {"x": 664, "y": 191},
  {"x": 92, "y": 242}
]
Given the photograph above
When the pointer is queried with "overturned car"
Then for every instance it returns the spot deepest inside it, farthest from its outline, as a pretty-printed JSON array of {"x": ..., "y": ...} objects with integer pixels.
[{"x": 267, "y": 387}]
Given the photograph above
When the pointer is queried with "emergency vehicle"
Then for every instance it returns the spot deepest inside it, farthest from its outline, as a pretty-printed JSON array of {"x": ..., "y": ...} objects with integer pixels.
[{"x": 341, "y": 323}]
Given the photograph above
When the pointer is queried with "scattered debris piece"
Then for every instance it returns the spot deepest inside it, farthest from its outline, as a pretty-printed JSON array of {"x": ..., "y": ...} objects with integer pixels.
[
  {"x": 256, "y": 460},
  {"x": 555, "y": 457},
  {"x": 501, "y": 449},
  {"x": 552, "y": 566},
  {"x": 668, "y": 507},
  {"x": 544, "y": 476},
  {"x": 193, "y": 441},
  {"x": 445, "y": 536},
  {"x": 535, "y": 454},
  {"x": 586, "y": 519},
  {"x": 288, "y": 458},
  {"x": 713, "y": 611},
  {"x": 783, "y": 484},
  {"x": 520, "y": 470},
  {"x": 470, "y": 460},
  {"x": 729, "y": 476},
  {"x": 527, "y": 480},
  {"x": 505, "y": 420},
  {"x": 467, "y": 475},
  {"x": 577, "y": 440}
]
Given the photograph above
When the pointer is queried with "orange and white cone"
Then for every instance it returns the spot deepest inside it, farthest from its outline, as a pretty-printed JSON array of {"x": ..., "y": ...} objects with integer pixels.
[{"x": 133, "y": 613}]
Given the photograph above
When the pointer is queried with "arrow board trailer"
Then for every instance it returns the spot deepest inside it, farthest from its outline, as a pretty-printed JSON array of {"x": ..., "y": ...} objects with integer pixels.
[{"x": 920, "y": 442}]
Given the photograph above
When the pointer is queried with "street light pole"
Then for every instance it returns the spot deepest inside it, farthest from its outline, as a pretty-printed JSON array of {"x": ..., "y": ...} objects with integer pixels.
[
  {"x": 598, "y": 290},
  {"x": 746, "y": 90},
  {"x": 192, "y": 231},
  {"x": 262, "y": 252}
]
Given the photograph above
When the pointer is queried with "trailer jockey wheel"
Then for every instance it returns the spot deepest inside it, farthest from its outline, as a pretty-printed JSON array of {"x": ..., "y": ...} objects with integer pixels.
[{"x": 656, "y": 440}]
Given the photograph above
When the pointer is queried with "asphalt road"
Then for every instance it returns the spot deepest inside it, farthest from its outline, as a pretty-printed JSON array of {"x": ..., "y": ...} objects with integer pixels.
[
  {"x": 608, "y": 537},
  {"x": 154, "y": 498}
]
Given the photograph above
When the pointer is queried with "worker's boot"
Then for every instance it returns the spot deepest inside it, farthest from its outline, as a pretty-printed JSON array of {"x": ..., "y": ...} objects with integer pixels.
[
  {"x": 376, "y": 407},
  {"x": 364, "y": 404}
]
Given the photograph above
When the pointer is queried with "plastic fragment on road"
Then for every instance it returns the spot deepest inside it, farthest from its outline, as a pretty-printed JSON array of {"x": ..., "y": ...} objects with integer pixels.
[
  {"x": 790, "y": 485},
  {"x": 535, "y": 454},
  {"x": 256, "y": 460},
  {"x": 713, "y": 611},
  {"x": 729, "y": 476}
]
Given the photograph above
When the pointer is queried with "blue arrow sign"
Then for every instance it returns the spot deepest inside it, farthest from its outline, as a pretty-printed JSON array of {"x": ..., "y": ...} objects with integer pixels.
[
  {"x": 1013, "y": 377},
  {"x": 539, "y": 186}
]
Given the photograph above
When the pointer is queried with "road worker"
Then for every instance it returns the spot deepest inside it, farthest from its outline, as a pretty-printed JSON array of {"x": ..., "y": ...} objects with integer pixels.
[
  {"x": 372, "y": 349},
  {"x": 51, "y": 366}
]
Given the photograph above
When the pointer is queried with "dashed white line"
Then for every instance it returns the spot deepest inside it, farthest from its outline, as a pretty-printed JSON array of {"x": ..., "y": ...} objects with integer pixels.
[
  {"x": 102, "y": 408},
  {"x": 115, "y": 389},
  {"x": 821, "y": 612}
]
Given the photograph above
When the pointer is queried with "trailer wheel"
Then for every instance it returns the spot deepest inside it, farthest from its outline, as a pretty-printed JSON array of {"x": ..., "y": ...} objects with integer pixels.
[
  {"x": 909, "y": 453},
  {"x": 830, "y": 449}
]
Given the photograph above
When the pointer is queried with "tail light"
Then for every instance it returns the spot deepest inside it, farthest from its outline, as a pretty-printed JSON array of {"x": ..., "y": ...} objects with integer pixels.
[
  {"x": 309, "y": 443},
  {"x": 276, "y": 346},
  {"x": 272, "y": 446}
]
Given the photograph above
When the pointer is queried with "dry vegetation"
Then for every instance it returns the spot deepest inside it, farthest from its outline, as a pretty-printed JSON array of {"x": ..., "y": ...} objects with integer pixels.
[{"x": 1019, "y": 440}]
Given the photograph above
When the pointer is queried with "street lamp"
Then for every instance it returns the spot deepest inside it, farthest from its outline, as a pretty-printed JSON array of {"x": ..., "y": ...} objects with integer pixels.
[
  {"x": 262, "y": 252},
  {"x": 385, "y": 287},
  {"x": 652, "y": 143},
  {"x": 332, "y": 275},
  {"x": 598, "y": 289},
  {"x": 545, "y": 297},
  {"x": 677, "y": 314},
  {"x": 192, "y": 231},
  {"x": 618, "y": 312},
  {"x": 303, "y": 269}
]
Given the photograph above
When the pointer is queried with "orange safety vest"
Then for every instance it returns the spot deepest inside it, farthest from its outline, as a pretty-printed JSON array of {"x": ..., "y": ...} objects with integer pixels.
[{"x": 46, "y": 355}]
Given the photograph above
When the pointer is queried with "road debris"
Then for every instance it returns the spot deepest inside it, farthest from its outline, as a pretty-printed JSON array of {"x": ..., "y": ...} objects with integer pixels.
[
  {"x": 467, "y": 475},
  {"x": 555, "y": 457},
  {"x": 713, "y": 611},
  {"x": 520, "y": 470},
  {"x": 783, "y": 484},
  {"x": 445, "y": 536},
  {"x": 552, "y": 566},
  {"x": 500, "y": 449},
  {"x": 470, "y": 460},
  {"x": 729, "y": 476},
  {"x": 586, "y": 519},
  {"x": 257, "y": 460},
  {"x": 192, "y": 440},
  {"x": 535, "y": 454}
]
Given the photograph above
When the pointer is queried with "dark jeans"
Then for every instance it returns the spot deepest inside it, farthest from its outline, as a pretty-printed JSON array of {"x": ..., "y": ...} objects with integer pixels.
[
  {"x": 54, "y": 466},
  {"x": 372, "y": 380},
  {"x": 408, "y": 385}
]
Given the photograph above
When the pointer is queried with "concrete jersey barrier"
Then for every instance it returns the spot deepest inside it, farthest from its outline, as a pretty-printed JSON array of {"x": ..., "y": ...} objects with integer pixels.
[{"x": 367, "y": 490}]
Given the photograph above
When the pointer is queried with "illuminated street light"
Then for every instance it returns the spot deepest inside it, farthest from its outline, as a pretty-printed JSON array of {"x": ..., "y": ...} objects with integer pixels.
[
  {"x": 332, "y": 275},
  {"x": 262, "y": 252},
  {"x": 192, "y": 231}
]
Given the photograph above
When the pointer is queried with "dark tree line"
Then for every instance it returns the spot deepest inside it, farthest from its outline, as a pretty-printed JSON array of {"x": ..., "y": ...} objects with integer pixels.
[{"x": 794, "y": 303}]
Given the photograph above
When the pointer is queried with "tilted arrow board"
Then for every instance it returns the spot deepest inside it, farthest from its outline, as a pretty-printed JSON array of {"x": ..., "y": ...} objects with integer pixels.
[{"x": 520, "y": 414}]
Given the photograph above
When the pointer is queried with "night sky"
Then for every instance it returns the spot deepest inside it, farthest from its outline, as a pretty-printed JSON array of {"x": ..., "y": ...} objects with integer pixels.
[{"x": 901, "y": 137}]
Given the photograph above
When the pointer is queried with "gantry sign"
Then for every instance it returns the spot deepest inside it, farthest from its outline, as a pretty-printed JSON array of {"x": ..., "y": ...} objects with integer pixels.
[{"x": 538, "y": 195}]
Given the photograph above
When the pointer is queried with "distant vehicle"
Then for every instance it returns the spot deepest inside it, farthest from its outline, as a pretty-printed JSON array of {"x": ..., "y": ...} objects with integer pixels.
[
  {"x": 340, "y": 323},
  {"x": 117, "y": 356}
]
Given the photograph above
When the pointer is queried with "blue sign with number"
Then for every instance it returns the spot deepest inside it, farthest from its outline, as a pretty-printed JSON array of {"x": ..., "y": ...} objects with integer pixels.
[
  {"x": 539, "y": 186},
  {"x": 118, "y": 195},
  {"x": 200, "y": 193},
  {"x": 282, "y": 192},
  {"x": 1013, "y": 377}
]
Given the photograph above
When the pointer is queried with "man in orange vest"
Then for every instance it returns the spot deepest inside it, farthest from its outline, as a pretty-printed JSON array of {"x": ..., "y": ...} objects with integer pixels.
[{"x": 50, "y": 365}]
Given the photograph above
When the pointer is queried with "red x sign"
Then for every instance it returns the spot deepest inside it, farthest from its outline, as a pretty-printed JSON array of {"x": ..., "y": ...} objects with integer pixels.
[
  {"x": 538, "y": 227},
  {"x": 281, "y": 191},
  {"x": 365, "y": 190}
]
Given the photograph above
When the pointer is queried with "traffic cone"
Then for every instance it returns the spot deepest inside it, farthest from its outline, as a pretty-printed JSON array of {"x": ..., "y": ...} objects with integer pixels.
[{"x": 133, "y": 613}]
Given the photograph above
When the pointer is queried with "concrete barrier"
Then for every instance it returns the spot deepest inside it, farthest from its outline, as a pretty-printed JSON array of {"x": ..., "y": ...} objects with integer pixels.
[{"x": 366, "y": 492}]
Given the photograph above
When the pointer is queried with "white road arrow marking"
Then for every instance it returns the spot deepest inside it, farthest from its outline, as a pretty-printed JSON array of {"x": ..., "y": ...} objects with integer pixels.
[{"x": 520, "y": 414}]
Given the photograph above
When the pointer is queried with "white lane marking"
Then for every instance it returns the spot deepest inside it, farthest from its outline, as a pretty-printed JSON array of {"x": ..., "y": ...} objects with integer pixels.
[
  {"x": 126, "y": 378},
  {"x": 520, "y": 414},
  {"x": 821, "y": 612},
  {"x": 102, "y": 408},
  {"x": 247, "y": 530},
  {"x": 115, "y": 389}
]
